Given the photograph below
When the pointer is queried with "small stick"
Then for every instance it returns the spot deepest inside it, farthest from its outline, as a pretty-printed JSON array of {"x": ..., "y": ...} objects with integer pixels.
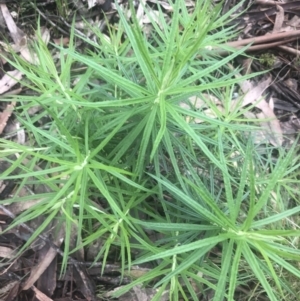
[{"x": 4, "y": 116}]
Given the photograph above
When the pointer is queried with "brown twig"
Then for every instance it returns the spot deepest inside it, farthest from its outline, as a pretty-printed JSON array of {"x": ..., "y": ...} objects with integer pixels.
[
  {"x": 266, "y": 38},
  {"x": 260, "y": 43},
  {"x": 4, "y": 116}
]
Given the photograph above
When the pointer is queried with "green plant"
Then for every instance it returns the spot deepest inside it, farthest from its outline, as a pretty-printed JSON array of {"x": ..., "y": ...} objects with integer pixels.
[
  {"x": 240, "y": 221},
  {"x": 119, "y": 137},
  {"x": 267, "y": 59}
]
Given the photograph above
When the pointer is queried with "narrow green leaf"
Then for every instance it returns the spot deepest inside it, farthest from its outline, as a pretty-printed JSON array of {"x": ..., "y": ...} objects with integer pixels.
[
  {"x": 163, "y": 125},
  {"x": 254, "y": 264},
  {"x": 211, "y": 241},
  {"x": 225, "y": 267},
  {"x": 234, "y": 270},
  {"x": 186, "y": 127}
]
